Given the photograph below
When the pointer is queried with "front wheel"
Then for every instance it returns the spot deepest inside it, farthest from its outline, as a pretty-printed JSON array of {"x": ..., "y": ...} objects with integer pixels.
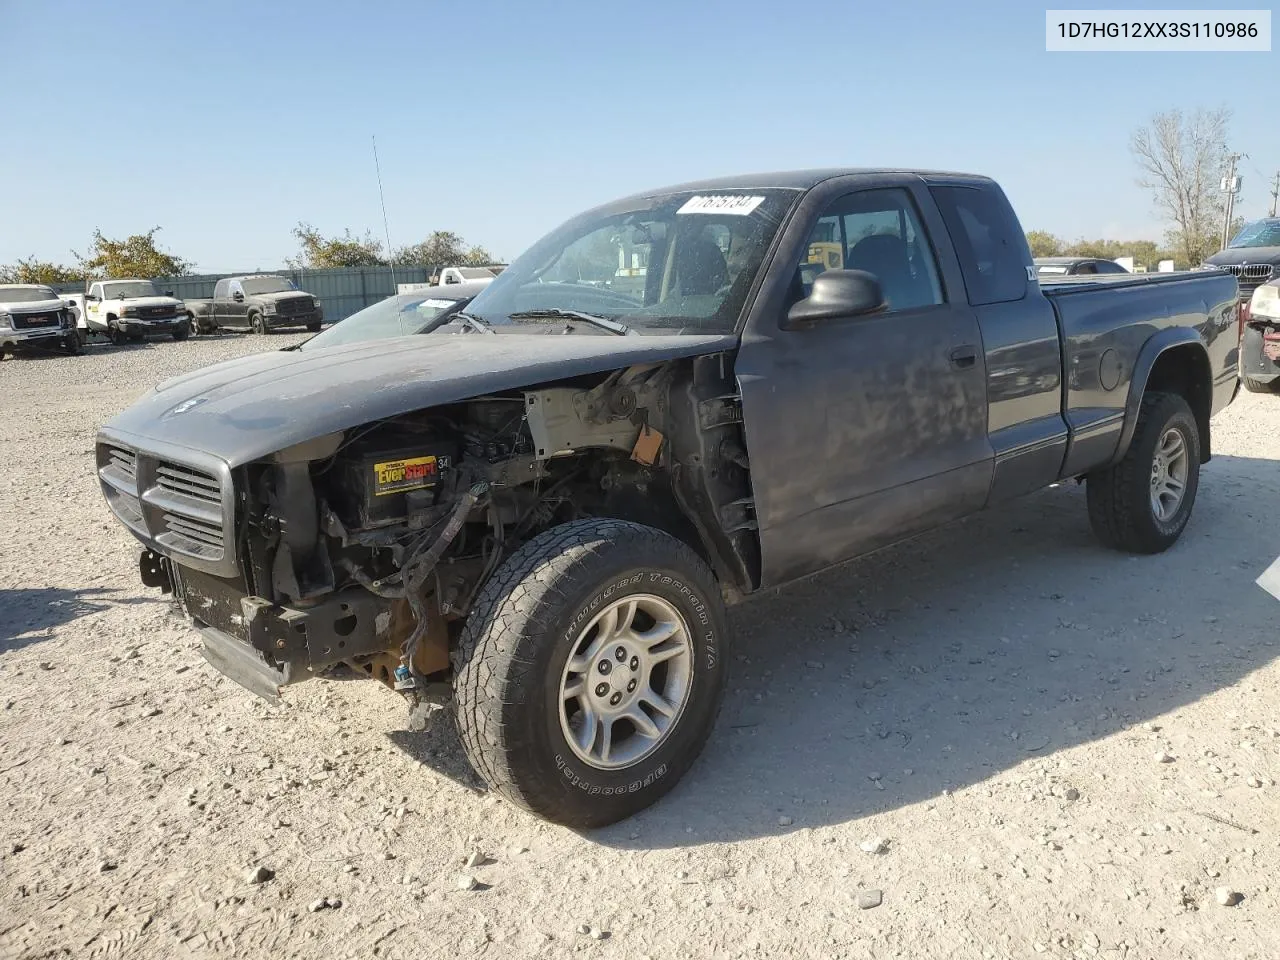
[
  {"x": 1261, "y": 386},
  {"x": 182, "y": 331},
  {"x": 256, "y": 323},
  {"x": 1143, "y": 502},
  {"x": 313, "y": 327},
  {"x": 73, "y": 343},
  {"x": 591, "y": 670}
]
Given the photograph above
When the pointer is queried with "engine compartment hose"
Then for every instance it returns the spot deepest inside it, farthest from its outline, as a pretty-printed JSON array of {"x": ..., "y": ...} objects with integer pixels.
[{"x": 416, "y": 570}]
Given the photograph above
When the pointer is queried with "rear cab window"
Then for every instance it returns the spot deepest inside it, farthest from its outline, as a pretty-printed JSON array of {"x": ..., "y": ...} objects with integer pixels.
[{"x": 995, "y": 260}]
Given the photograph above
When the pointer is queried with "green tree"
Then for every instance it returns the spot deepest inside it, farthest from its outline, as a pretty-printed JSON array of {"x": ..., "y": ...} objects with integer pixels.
[
  {"x": 134, "y": 256},
  {"x": 1043, "y": 244},
  {"x": 477, "y": 256},
  {"x": 32, "y": 270},
  {"x": 319, "y": 252},
  {"x": 1181, "y": 159},
  {"x": 443, "y": 248}
]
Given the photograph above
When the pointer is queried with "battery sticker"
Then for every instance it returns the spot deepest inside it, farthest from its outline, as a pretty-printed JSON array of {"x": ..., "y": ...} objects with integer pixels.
[
  {"x": 739, "y": 206},
  {"x": 397, "y": 476}
]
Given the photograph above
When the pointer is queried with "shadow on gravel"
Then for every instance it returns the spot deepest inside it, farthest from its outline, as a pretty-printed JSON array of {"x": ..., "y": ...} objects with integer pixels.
[
  {"x": 26, "y": 613},
  {"x": 941, "y": 662},
  {"x": 441, "y": 750}
]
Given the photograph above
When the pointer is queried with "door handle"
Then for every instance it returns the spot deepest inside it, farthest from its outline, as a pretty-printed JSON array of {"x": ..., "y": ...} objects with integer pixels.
[{"x": 964, "y": 357}]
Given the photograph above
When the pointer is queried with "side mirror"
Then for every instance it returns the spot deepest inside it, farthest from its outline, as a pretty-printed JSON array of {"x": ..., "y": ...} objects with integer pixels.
[
  {"x": 837, "y": 294},
  {"x": 168, "y": 293},
  {"x": 90, "y": 298},
  {"x": 238, "y": 297}
]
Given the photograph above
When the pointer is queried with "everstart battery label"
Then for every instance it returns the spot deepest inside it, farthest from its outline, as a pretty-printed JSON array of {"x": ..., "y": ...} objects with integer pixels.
[{"x": 397, "y": 476}]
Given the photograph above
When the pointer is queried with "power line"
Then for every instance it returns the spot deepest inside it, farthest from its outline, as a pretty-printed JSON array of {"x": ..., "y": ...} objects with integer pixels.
[
  {"x": 385, "y": 229},
  {"x": 1275, "y": 193}
]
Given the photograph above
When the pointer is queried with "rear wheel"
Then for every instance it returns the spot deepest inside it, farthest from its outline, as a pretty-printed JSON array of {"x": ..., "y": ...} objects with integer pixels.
[
  {"x": 1143, "y": 503},
  {"x": 1261, "y": 386},
  {"x": 590, "y": 671}
]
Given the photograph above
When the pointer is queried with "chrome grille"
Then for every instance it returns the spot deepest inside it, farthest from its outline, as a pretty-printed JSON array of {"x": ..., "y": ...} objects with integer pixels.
[
  {"x": 294, "y": 306},
  {"x": 123, "y": 461},
  {"x": 192, "y": 536},
  {"x": 29, "y": 321},
  {"x": 183, "y": 509},
  {"x": 189, "y": 482},
  {"x": 1250, "y": 275}
]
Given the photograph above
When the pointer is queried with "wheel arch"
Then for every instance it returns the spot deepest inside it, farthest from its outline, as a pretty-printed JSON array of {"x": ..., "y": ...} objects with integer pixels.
[{"x": 1173, "y": 361}]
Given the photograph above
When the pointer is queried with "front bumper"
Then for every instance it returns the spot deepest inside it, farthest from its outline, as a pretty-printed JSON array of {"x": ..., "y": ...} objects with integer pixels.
[
  {"x": 264, "y": 646},
  {"x": 276, "y": 321},
  {"x": 134, "y": 327},
  {"x": 33, "y": 336},
  {"x": 1255, "y": 344}
]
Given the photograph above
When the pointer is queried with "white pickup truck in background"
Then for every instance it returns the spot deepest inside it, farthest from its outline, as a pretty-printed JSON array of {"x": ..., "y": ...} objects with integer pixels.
[
  {"x": 125, "y": 310},
  {"x": 469, "y": 274},
  {"x": 32, "y": 315}
]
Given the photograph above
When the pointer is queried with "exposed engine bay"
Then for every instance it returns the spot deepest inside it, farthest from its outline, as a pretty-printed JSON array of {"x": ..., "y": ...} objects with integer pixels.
[{"x": 365, "y": 551}]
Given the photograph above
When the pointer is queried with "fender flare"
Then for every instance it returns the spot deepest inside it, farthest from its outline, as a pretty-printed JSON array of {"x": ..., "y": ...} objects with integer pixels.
[{"x": 1157, "y": 344}]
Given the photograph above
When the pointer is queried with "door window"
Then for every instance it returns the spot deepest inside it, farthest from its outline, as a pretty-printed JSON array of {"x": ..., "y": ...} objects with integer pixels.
[{"x": 880, "y": 232}]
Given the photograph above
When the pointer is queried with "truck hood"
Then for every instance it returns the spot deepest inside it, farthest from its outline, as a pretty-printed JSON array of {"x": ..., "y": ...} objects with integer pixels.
[
  {"x": 148, "y": 302},
  {"x": 244, "y": 409},
  {"x": 277, "y": 297},
  {"x": 33, "y": 306},
  {"x": 1245, "y": 255}
]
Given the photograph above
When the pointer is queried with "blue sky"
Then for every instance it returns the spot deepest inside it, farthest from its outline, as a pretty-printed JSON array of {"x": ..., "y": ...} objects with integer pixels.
[{"x": 226, "y": 123}]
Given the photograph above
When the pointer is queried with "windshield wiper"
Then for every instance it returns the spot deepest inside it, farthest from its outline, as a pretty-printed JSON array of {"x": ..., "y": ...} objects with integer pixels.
[
  {"x": 554, "y": 313},
  {"x": 478, "y": 324}
]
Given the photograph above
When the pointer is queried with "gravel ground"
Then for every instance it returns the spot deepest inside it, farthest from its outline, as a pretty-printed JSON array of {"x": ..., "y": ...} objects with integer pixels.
[{"x": 999, "y": 740}]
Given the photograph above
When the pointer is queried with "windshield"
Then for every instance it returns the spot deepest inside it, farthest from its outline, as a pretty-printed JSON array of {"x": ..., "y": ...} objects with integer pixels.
[
  {"x": 674, "y": 263},
  {"x": 26, "y": 294},
  {"x": 129, "y": 289},
  {"x": 475, "y": 273},
  {"x": 396, "y": 316},
  {"x": 1260, "y": 233},
  {"x": 1050, "y": 268},
  {"x": 254, "y": 285}
]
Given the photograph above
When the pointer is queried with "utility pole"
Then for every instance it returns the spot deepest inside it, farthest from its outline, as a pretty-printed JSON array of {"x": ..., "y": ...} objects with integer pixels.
[
  {"x": 1275, "y": 193},
  {"x": 1230, "y": 186}
]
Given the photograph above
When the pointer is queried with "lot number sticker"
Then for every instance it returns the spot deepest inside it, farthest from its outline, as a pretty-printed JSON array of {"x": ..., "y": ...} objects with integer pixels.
[{"x": 739, "y": 206}]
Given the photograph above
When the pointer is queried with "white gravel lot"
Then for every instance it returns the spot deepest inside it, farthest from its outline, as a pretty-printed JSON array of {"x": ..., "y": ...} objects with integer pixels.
[{"x": 993, "y": 700}]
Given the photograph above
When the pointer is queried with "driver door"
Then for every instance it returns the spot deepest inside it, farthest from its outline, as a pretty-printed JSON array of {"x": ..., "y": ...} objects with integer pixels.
[
  {"x": 236, "y": 307},
  {"x": 864, "y": 430}
]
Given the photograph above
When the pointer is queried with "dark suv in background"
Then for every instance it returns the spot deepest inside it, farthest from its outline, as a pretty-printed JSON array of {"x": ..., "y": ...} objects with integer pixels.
[
  {"x": 261, "y": 303},
  {"x": 1253, "y": 255}
]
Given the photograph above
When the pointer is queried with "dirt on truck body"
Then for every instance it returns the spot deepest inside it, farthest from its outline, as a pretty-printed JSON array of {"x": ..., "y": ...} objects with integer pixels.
[{"x": 536, "y": 514}]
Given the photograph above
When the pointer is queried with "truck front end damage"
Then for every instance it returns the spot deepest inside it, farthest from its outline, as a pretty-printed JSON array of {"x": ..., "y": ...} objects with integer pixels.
[{"x": 363, "y": 550}]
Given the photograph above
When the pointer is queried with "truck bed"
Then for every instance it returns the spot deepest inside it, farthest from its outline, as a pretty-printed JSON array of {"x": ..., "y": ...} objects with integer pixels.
[{"x": 1101, "y": 344}]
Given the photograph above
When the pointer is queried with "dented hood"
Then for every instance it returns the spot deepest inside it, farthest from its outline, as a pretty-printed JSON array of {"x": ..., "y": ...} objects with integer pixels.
[{"x": 244, "y": 409}]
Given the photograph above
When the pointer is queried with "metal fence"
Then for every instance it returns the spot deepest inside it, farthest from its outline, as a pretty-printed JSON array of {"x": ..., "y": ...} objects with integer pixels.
[{"x": 341, "y": 290}]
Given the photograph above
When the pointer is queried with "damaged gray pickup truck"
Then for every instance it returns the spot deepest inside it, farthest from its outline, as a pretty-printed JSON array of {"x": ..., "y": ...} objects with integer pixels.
[{"x": 536, "y": 515}]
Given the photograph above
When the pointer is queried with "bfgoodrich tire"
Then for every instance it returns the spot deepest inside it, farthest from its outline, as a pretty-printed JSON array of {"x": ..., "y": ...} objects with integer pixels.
[
  {"x": 1143, "y": 503},
  {"x": 593, "y": 623}
]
